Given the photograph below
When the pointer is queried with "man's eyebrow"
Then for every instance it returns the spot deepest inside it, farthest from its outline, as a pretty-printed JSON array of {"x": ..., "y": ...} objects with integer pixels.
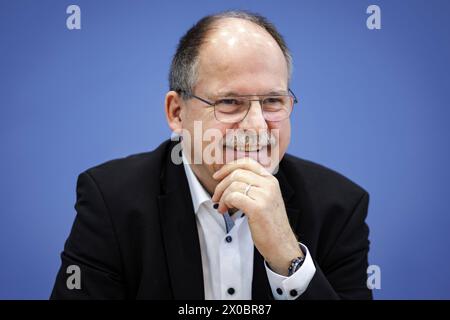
[
  {"x": 227, "y": 94},
  {"x": 278, "y": 92}
]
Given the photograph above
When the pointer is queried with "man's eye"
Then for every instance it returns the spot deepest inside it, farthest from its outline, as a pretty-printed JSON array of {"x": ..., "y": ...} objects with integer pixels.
[
  {"x": 273, "y": 100},
  {"x": 230, "y": 102}
]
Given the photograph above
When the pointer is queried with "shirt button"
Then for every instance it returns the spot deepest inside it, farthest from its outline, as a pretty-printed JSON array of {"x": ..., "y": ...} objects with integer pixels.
[
  {"x": 228, "y": 239},
  {"x": 293, "y": 293},
  {"x": 279, "y": 291},
  {"x": 230, "y": 291}
]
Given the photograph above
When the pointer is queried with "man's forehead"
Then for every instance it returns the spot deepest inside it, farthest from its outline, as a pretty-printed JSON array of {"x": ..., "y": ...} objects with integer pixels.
[
  {"x": 234, "y": 32},
  {"x": 235, "y": 59}
]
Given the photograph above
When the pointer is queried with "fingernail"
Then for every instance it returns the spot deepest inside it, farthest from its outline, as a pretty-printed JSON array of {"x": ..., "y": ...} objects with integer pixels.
[{"x": 215, "y": 205}]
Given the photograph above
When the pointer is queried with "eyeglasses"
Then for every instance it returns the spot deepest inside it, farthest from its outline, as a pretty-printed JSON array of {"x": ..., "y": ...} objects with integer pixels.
[{"x": 275, "y": 107}]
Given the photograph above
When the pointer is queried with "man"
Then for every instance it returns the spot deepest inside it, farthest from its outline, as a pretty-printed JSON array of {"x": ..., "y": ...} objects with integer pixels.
[{"x": 225, "y": 213}]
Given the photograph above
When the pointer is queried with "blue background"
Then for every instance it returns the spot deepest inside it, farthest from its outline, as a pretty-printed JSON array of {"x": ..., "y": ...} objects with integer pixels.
[{"x": 373, "y": 106}]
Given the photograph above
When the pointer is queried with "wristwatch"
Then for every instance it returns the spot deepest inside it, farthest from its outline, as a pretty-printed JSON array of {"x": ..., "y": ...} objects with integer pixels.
[{"x": 295, "y": 265}]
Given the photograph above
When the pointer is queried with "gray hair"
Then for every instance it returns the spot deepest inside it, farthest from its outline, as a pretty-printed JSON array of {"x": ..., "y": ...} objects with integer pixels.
[{"x": 184, "y": 68}]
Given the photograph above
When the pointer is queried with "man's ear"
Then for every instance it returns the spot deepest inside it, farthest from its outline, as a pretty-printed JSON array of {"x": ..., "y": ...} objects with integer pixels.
[{"x": 173, "y": 106}]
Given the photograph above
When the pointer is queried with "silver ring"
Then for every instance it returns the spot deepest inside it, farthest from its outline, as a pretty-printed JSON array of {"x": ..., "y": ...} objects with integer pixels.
[{"x": 247, "y": 189}]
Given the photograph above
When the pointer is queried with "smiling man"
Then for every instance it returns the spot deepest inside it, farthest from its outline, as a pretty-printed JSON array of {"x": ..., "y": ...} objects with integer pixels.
[{"x": 223, "y": 213}]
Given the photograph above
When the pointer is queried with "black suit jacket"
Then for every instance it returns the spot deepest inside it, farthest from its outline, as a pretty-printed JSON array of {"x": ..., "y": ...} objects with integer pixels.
[{"x": 135, "y": 234}]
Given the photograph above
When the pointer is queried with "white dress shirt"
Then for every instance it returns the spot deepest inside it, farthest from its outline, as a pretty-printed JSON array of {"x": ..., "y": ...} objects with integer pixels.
[{"x": 227, "y": 257}]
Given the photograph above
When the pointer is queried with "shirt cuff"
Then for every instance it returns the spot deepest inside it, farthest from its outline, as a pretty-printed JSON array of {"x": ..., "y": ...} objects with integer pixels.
[{"x": 290, "y": 288}]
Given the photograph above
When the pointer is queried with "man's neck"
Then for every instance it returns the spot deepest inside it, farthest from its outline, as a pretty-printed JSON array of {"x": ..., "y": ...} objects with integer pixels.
[{"x": 207, "y": 182}]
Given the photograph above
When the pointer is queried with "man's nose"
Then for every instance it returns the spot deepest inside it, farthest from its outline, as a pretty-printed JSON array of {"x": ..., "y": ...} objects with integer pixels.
[{"x": 254, "y": 118}]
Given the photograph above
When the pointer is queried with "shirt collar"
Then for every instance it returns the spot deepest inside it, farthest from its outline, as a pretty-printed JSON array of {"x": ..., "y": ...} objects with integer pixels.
[{"x": 198, "y": 193}]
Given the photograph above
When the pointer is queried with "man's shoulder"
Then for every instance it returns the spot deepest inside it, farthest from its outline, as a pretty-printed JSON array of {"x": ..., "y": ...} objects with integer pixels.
[
  {"x": 319, "y": 181},
  {"x": 133, "y": 171}
]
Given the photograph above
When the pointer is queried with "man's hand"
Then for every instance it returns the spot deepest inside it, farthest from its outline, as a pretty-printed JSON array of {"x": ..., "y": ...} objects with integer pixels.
[{"x": 264, "y": 206}]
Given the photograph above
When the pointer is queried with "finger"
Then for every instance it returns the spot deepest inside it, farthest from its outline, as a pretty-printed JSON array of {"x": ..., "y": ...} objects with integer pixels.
[
  {"x": 254, "y": 193},
  {"x": 239, "y": 201},
  {"x": 234, "y": 186},
  {"x": 249, "y": 177},
  {"x": 243, "y": 163}
]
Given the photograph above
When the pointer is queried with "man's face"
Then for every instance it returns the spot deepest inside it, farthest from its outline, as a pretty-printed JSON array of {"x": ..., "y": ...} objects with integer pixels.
[{"x": 239, "y": 58}]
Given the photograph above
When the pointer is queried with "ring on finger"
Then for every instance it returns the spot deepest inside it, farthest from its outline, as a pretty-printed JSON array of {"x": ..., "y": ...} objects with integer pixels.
[{"x": 247, "y": 189}]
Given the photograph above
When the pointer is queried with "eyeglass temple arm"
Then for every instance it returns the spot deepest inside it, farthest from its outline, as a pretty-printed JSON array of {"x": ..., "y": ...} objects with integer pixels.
[
  {"x": 198, "y": 98},
  {"x": 293, "y": 94}
]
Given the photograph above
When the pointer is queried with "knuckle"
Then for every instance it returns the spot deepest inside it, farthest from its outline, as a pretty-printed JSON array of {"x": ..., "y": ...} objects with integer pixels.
[
  {"x": 233, "y": 196},
  {"x": 238, "y": 173},
  {"x": 235, "y": 185},
  {"x": 274, "y": 179},
  {"x": 275, "y": 182},
  {"x": 264, "y": 203},
  {"x": 266, "y": 192}
]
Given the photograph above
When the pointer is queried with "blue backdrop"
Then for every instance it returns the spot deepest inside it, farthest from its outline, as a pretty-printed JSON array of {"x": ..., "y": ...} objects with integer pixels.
[{"x": 373, "y": 106}]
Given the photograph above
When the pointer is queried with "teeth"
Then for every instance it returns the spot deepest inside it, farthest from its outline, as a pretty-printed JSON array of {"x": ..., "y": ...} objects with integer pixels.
[
  {"x": 247, "y": 148},
  {"x": 248, "y": 143}
]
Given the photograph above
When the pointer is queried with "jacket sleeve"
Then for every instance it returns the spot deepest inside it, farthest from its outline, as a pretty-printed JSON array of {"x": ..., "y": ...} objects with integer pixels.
[
  {"x": 91, "y": 261},
  {"x": 342, "y": 273}
]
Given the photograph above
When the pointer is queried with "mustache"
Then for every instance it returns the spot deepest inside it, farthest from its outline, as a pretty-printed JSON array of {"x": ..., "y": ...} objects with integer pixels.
[{"x": 249, "y": 138}]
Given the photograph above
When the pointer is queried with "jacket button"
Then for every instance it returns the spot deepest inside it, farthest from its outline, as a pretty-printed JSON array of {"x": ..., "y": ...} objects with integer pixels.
[
  {"x": 230, "y": 291},
  {"x": 279, "y": 291},
  {"x": 293, "y": 293},
  {"x": 228, "y": 239}
]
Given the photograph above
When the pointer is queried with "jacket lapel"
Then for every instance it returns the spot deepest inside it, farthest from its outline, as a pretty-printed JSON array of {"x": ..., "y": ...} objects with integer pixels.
[{"x": 180, "y": 234}]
